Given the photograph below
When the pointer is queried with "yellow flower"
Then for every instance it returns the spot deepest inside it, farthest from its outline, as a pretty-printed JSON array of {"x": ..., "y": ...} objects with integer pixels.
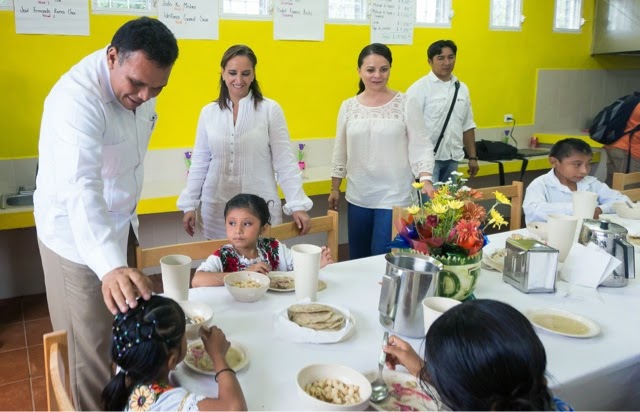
[
  {"x": 141, "y": 399},
  {"x": 496, "y": 219},
  {"x": 439, "y": 209},
  {"x": 417, "y": 185},
  {"x": 455, "y": 204},
  {"x": 502, "y": 198},
  {"x": 412, "y": 210}
]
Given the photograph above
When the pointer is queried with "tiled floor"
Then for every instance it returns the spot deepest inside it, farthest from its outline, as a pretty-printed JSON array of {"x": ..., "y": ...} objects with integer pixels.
[{"x": 23, "y": 321}]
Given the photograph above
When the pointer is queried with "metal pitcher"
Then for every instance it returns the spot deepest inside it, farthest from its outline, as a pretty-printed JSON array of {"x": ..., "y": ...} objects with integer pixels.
[
  {"x": 612, "y": 238},
  {"x": 408, "y": 279}
]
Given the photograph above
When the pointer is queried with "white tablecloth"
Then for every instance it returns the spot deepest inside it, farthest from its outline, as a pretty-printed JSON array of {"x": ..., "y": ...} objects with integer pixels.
[{"x": 601, "y": 373}]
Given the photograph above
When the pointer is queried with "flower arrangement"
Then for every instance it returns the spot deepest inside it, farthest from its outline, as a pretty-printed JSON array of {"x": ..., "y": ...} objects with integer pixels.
[
  {"x": 301, "y": 151},
  {"x": 450, "y": 226}
]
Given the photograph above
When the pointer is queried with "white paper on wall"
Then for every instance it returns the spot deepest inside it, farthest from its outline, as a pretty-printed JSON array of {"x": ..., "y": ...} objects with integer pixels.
[
  {"x": 69, "y": 17},
  {"x": 298, "y": 20},
  {"x": 392, "y": 21},
  {"x": 190, "y": 19}
]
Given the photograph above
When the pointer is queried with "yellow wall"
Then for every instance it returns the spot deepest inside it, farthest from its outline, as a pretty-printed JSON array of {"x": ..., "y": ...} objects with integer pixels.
[{"x": 309, "y": 79}]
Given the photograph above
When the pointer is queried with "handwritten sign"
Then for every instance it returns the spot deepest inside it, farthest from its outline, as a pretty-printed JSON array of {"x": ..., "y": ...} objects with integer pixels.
[
  {"x": 52, "y": 17},
  {"x": 190, "y": 19},
  {"x": 392, "y": 21},
  {"x": 298, "y": 20}
]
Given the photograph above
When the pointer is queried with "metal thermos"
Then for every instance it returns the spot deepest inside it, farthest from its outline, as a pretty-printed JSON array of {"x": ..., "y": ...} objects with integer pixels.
[
  {"x": 612, "y": 238},
  {"x": 409, "y": 278}
]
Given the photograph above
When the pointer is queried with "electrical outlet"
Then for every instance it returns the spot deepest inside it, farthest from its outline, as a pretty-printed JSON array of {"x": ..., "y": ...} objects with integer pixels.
[{"x": 508, "y": 118}]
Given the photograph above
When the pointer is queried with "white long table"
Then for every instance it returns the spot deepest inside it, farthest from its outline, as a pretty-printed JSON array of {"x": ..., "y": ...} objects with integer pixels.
[{"x": 600, "y": 373}]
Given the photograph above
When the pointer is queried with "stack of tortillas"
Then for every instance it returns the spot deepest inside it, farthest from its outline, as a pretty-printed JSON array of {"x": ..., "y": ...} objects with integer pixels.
[{"x": 316, "y": 316}]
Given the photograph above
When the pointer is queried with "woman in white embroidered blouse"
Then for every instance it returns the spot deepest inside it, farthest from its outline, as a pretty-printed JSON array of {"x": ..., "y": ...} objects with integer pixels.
[
  {"x": 241, "y": 141},
  {"x": 381, "y": 147}
]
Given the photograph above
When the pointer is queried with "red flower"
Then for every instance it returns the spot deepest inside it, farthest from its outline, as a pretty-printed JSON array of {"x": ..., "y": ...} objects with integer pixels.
[
  {"x": 468, "y": 236},
  {"x": 473, "y": 211}
]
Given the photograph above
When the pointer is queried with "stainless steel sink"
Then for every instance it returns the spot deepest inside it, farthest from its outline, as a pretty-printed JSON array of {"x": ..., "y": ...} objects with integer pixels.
[{"x": 16, "y": 200}]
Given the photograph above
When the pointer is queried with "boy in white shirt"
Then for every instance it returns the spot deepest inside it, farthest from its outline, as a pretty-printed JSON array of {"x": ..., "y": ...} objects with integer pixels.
[{"x": 552, "y": 193}]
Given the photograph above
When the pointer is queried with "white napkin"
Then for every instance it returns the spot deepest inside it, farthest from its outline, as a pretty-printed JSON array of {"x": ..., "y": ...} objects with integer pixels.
[
  {"x": 587, "y": 265},
  {"x": 287, "y": 330}
]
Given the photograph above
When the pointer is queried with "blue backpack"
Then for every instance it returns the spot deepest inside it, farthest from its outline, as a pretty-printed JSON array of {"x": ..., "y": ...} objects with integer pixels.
[{"x": 609, "y": 125}]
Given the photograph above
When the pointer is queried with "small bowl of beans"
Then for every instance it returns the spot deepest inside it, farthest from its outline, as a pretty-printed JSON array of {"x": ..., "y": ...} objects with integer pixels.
[
  {"x": 247, "y": 286},
  {"x": 325, "y": 387}
]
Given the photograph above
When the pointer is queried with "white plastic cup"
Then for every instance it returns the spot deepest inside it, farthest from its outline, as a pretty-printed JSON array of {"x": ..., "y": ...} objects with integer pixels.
[
  {"x": 584, "y": 204},
  {"x": 306, "y": 265},
  {"x": 434, "y": 307},
  {"x": 561, "y": 233},
  {"x": 176, "y": 273}
]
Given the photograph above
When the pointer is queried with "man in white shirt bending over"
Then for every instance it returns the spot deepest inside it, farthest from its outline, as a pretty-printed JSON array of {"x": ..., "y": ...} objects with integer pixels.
[
  {"x": 95, "y": 130},
  {"x": 435, "y": 92}
]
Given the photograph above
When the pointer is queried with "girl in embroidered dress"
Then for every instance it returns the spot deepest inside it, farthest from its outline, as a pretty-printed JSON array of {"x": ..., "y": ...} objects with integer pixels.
[
  {"x": 246, "y": 218},
  {"x": 148, "y": 342},
  {"x": 482, "y": 355}
]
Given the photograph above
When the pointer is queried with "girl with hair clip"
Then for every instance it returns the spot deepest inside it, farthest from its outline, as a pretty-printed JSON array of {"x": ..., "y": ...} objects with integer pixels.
[
  {"x": 246, "y": 218},
  {"x": 148, "y": 342},
  {"x": 480, "y": 355},
  {"x": 241, "y": 140}
]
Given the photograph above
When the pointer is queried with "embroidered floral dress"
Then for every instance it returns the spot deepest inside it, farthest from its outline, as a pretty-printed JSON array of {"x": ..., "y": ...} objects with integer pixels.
[
  {"x": 161, "y": 397},
  {"x": 227, "y": 258}
]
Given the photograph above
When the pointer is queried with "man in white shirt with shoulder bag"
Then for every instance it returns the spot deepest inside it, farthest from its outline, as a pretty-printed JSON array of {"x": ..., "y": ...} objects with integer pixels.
[
  {"x": 446, "y": 105},
  {"x": 94, "y": 134}
]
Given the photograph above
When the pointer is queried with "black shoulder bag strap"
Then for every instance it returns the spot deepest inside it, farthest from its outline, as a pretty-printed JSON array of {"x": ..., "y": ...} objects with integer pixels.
[{"x": 446, "y": 121}]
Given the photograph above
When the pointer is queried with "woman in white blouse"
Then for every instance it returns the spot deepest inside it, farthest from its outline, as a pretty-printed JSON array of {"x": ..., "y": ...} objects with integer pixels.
[
  {"x": 381, "y": 147},
  {"x": 241, "y": 141}
]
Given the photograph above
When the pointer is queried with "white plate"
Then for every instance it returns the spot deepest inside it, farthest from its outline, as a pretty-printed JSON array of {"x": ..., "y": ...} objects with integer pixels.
[
  {"x": 496, "y": 263},
  {"x": 563, "y": 323},
  {"x": 321, "y": 284},
  {"x": 405, "y": 393},
  {"x": 195, "y": 351},
  {"x": 283, "y": 275},
  {"x": 292, "y": 332}
]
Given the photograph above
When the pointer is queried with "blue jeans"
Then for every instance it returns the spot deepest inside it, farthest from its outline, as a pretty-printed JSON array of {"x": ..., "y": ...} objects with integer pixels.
[
  {"x": 442, "y": 170},
  {"x": 369, "y": 231}
]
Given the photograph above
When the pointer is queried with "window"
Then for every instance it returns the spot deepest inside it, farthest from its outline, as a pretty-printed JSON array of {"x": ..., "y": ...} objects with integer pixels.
[
  {"x": 347, "y": 10},
  {"x": 506, "y": 14},
  {"x": 247, "y": 8},
  {"x": 143, "y": 7},
  {"x": 620, "y": 15},
  {"x": 568, "y": 15},
  {"x": 434, "y": 13},
  {"x": 6, "y": 4}
]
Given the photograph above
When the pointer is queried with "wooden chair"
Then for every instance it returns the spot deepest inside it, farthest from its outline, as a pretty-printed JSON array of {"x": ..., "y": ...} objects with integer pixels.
[
  {"x": 514, "y": 191},
  {"x": 56, "y": 364},
  {"x": 622, "y": 180},
  {"x": 632, "y": 194},
  {"x": 150, "y": 257}
]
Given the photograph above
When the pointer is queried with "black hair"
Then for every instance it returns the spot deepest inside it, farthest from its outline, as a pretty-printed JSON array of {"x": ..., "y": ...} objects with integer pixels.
[
  {"x": 485, "y": 355},
  {"x": 567, "y": 147},
  {"x": 141, "y": 343},
  {"x": 257, "y": 205},
  {"x": 436, "y": 48},
  {"x": 374, "y": 48},
  {"x": 149, "y": 36},
  {"x": 234, "y": 51}
]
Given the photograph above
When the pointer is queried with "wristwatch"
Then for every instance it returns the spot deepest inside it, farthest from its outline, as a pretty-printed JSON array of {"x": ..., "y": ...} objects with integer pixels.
[{"x": 473, "y": 158}]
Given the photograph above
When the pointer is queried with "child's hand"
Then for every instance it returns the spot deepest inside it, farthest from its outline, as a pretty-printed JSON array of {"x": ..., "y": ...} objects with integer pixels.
[
  {"x": 261, "y": 267},
  {"x": 596, "y": 214},
  {"x": 215, "y": 343},
  {"x": 400, "y": 352},
  {"x": 325, "y": 257}
]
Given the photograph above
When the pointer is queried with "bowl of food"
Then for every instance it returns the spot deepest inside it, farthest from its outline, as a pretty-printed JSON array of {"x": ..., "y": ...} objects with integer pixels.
[
  {"x": 325, "y": 387},
  {"x": 539, "y": 229},
  {"x": 197, "y": 314},
  {"x": 247, "y": 286},
  {"x": 623, "y": 210}
]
